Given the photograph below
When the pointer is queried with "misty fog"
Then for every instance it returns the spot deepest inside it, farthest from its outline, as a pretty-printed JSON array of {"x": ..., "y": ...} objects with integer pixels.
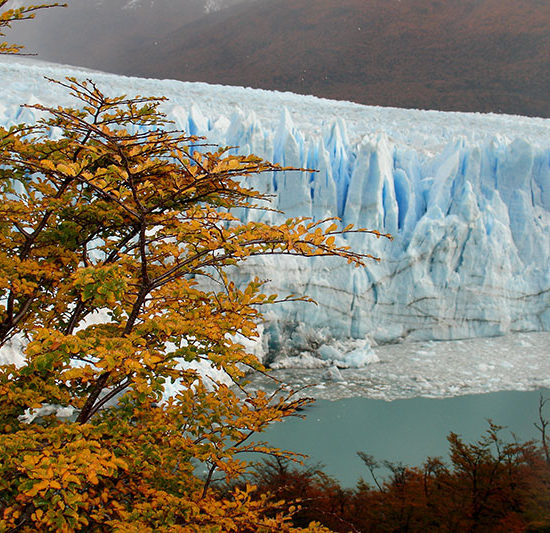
[{"x": 101, "y": 34}]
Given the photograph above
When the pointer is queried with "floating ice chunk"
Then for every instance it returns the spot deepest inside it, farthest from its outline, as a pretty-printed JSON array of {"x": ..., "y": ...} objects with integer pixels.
[
  {"x": 360, "y": 357},
  {"x": 304, "y": 360},
  {"x": 329, "y": 353},
  {"x": 333, "y": 374},
  {"x": 353, "y": 354}
]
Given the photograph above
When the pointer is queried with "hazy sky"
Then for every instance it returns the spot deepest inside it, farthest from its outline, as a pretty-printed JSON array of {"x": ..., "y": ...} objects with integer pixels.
[{"x": 75, "y": 34}]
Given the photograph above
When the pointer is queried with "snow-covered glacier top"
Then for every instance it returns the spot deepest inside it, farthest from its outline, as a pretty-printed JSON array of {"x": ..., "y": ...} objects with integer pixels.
[
  {"x": 213, "y": 105},
  {"x": 467, "y": 197}
]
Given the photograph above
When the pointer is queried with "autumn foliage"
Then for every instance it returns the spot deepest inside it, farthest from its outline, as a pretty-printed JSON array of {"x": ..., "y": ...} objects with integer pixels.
[
  {"x": 488, "y": 486},
  {"x": 107, "y": 230},
  {"x": 116, "y": 238}
]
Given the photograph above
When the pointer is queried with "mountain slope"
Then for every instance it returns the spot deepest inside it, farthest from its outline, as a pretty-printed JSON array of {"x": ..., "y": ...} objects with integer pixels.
[
  {"x": 467, "y": 55},
  {"x": 472, "y": 55}
]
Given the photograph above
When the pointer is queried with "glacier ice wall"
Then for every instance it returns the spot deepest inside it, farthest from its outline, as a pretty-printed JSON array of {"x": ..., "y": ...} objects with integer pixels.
[{"x": 466, "y": 196}]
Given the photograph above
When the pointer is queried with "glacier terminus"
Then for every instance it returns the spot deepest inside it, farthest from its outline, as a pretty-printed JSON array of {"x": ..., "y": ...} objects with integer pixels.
[{"x": 466, "y": 197}]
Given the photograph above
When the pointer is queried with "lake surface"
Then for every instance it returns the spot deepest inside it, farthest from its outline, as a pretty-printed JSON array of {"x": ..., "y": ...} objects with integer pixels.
[
  {"x": 406, "y": 430},
  {"x": 402, "y": 408}
]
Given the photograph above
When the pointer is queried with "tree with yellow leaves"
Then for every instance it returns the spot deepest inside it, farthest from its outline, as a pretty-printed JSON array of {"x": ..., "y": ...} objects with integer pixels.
[{"x": 108, "y": 230}]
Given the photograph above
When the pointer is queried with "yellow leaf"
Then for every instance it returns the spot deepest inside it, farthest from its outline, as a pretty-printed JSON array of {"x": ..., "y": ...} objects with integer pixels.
[
  {"x": 66, "y": 169},
  {"x": 37, "y": 487},
  {"x": 92, "y": 477},
  {"x": 47, "y": 164}
]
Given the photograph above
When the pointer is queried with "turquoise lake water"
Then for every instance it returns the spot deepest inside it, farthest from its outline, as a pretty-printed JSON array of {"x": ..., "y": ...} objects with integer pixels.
[{"x": 404, "y": 431}]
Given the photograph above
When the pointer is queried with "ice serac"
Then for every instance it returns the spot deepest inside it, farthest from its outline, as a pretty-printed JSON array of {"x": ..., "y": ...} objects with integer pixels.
[
  {"x": 471, "y": 250},
  {"x": 466, "y": 196}
]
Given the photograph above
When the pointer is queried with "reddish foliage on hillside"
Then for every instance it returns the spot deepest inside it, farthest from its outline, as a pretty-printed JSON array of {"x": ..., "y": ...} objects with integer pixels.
[{"x": 489, "y": 486}]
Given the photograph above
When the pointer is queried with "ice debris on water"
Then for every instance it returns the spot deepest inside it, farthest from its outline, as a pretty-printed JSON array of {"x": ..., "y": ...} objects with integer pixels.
[{"x": 449, "y": 368}]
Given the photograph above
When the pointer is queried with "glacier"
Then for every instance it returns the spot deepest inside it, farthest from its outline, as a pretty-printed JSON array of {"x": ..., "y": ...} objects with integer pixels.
[{"x": 466, "y": 197}]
